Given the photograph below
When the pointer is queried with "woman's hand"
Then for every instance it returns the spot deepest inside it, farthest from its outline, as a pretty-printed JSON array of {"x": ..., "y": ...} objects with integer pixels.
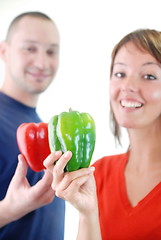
[{"x": 77, "y": 187}]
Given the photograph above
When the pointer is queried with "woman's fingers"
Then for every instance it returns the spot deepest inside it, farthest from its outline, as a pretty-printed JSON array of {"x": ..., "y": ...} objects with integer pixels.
[
  {"x": 51, "y": 159},
  {"x": 56, "y": 163},
  {"x": 58, "y": 171},
  {"x": 60, "y": 165},
  {"x": 70, "y": 191},
  {"x": 62, "y": 182}
]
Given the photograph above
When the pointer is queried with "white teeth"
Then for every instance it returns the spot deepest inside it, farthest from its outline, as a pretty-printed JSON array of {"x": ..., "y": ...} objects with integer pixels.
[{"x": 128, "y": 104}]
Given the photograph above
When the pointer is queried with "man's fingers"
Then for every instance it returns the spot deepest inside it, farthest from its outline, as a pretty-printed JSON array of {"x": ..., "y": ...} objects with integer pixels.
[
  {"x": 45, "y": 182},
  {"x": 22, "y": 168}
]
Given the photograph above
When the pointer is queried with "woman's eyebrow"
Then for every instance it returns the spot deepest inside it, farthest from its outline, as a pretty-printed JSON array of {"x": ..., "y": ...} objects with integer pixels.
[
  {"x": 120, "y": 63},
  {"x": 152, "y": 63}
]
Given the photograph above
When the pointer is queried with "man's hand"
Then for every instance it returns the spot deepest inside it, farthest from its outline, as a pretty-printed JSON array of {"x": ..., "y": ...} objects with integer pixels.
[{"x": 21, "y": 198}]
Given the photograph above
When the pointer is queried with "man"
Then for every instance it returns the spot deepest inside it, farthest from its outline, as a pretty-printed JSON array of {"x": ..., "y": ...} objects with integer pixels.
[{"x": 29, "y": 209}]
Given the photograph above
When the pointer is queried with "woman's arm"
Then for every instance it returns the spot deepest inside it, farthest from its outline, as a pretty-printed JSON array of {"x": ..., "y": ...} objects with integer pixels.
[
  {"x": 89, "y": 228},
  {"x": 79, "y": 189}
]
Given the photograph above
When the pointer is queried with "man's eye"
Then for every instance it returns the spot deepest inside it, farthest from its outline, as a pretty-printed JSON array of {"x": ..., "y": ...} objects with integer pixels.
[
  {"x": 52, "y": 52},
  {"x": 149, "y": 77},
  {"x": 31, "y": 49}
]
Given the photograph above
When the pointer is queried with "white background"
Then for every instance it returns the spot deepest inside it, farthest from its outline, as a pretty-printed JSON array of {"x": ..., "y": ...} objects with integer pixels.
[{"x": 89, "y": 30}]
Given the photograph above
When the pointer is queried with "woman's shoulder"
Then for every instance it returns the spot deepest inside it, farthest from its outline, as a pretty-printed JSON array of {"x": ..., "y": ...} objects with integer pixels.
[{"x": 111, "y": 159}]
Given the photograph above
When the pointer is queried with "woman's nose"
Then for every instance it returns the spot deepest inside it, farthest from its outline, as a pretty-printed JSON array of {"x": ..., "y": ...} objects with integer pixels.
[{"x": 130, "y": 84}]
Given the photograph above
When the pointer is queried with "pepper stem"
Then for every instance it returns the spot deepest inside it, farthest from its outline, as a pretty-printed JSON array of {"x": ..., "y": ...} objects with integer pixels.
[{"x": 70, "y": 110}]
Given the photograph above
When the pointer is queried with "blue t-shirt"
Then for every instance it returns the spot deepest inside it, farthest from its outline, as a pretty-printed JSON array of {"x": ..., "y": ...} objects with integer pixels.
[{"x": 47, "y": 222}]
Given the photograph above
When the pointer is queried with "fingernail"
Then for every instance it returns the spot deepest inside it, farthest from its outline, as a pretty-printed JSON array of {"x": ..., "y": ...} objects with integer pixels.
[
  {"x": 19, "y": 159},
  {"x": 91, "y": 169},
  {"x": 67, "y": 154},
  {"x": 57, "y": 153}
]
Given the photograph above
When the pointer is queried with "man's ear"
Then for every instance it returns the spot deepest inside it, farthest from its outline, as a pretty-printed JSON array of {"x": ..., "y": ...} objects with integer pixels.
[{"x": 3, "y": 50}]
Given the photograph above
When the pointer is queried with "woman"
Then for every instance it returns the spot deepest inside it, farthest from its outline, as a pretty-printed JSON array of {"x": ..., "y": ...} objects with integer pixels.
[{"x": 129, "y": 184}]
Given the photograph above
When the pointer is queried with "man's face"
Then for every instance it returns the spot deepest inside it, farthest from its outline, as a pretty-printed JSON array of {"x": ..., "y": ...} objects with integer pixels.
[{"x": 32, "y": 54}]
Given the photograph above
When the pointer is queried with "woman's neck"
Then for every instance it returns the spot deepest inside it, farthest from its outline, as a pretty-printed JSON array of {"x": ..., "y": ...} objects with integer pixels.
[{"x": 145, "y": 148}]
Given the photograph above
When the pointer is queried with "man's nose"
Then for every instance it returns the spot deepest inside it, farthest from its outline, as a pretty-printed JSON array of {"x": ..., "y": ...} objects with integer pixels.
[{"x": 41, "y": 60}]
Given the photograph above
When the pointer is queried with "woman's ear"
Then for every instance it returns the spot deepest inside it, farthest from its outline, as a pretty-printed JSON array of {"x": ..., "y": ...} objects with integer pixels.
[{"x": 3, "y": 50}]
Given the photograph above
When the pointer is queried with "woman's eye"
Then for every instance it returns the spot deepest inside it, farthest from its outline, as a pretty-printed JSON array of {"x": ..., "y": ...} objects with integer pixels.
[
  {"x": 119, "y": 75},
  {"x": 149, "y": 77}
]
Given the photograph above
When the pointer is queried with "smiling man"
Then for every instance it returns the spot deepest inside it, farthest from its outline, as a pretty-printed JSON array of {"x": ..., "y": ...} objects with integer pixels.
[
  {"x": 31, "y": 54},
  {"x": 29, "y": 209}
]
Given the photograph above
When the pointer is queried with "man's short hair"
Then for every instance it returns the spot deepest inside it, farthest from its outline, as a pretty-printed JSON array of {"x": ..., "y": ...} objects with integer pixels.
[{"x": 25, "y": 14}]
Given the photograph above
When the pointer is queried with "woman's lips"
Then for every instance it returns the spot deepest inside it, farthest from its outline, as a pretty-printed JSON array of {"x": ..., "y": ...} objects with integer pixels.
[{"x": 131, "y": 104}]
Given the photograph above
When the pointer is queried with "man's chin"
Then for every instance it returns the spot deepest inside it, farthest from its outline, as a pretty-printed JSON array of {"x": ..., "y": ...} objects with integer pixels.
[{"x": 39, "y": 89}]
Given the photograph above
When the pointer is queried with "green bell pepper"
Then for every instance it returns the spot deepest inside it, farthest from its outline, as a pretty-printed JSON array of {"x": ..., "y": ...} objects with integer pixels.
[{"x": 76, "y": 132}]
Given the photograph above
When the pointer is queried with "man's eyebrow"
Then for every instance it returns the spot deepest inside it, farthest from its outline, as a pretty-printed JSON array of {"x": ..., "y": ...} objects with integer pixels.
[{"x": 54, "y": 45}]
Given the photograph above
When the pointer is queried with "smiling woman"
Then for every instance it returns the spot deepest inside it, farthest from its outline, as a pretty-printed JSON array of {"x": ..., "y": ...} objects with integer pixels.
[
  {"x": 135, "y": 96},
  {"x": 128, "y": 185}
]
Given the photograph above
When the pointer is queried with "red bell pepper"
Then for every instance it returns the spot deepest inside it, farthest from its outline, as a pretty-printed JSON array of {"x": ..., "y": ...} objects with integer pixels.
[{"x": 32, "y": 139}]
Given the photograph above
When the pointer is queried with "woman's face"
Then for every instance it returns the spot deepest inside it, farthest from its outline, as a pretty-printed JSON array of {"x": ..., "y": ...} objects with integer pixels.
[{"x": 135, "y": 88}]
